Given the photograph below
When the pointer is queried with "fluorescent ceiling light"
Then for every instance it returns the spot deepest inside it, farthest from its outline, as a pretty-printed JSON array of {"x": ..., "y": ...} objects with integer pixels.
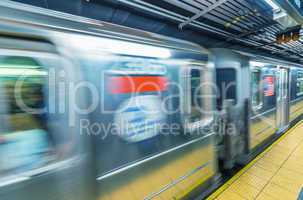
[{"x": 272, "y": 4}]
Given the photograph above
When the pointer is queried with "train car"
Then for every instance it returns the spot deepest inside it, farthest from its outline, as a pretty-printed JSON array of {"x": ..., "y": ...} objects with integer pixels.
[
  {"x": 92, "y": 110},
  {"x": 159, "y": 141},
  {"x": 296, "y": 96},
  {"x": 264, "y": 107},
  {"x": 97, "y": 111}
]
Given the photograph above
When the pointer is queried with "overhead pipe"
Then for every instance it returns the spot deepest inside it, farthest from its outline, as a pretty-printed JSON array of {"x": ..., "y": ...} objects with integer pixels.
[{"x": 202, "y": 12}]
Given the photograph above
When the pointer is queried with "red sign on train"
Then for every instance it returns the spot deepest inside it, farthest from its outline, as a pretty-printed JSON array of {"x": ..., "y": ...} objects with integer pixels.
[
  {"x": 269, "y": 86},
  {"x": 137, "y": 84}
]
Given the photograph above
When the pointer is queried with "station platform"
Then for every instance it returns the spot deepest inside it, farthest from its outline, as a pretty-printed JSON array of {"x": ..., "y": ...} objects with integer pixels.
[{"x": 276, "y": 174}]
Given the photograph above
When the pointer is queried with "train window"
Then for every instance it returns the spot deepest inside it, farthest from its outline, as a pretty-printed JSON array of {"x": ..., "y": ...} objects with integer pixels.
[
  {"x": 192, "y": 99},
  {"x": 226, "y": 83},
  {"x": 198, "y": 98},
  {"x": 195, "y": 95},
  {"x": 257, "y": 94},
  {"x": 25, "y": 141},
  {"x": 300, "y": 83}
]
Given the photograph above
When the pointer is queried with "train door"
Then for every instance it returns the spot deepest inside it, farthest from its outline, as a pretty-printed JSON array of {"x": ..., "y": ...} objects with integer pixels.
[
  {"x": 194, "y": 109},
  {"x": 40, "y": 154},
  {"x": 283, "y": 97}
]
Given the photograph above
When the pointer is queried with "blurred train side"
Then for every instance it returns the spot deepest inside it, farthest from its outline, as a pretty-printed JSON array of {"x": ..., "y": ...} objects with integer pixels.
[
  {"x": 162, "y": 151},
  {"x": 266, "y": 99},
  {"x": 95, "y": 72},
  {"x": 115, "y": 149}
]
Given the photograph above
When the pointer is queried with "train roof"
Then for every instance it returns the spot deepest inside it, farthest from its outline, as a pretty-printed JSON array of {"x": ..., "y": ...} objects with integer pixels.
[
  {"x": 14, "y": 12},
  {"x": 219, "y": 52},
  {"x": 269, "y": 60}
]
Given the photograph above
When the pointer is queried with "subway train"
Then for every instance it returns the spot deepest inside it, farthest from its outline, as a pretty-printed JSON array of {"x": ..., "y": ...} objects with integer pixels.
[{"x": 92, "y": 110}]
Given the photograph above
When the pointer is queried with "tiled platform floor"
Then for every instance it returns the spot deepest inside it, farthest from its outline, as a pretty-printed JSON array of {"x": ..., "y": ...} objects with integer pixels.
[{"x": 277, "y": 174}]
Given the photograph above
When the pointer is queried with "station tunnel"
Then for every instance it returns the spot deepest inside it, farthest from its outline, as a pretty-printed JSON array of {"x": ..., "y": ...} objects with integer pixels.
[{"x": 145, "y": 99}]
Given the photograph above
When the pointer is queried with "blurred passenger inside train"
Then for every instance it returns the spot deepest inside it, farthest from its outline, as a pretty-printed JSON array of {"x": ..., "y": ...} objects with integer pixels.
[{"x": 24, "y": 140}]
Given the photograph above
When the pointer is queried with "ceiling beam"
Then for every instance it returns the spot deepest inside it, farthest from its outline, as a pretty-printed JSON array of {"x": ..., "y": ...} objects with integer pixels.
[
  {"x": 202, "y": 12},
  {"x": 183, "y": 5}
]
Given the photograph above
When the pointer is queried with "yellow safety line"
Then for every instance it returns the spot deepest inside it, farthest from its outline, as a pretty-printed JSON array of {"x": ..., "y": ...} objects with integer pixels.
[
  {"x": 249, "y": 165},
  {"x": 192, "y": 187}
]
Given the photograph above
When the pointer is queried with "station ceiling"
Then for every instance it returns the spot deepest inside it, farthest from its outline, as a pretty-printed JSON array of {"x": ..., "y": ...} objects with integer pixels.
[
  {"x": 249, "y": 22},
  {"x": 239, "y": 24}
]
